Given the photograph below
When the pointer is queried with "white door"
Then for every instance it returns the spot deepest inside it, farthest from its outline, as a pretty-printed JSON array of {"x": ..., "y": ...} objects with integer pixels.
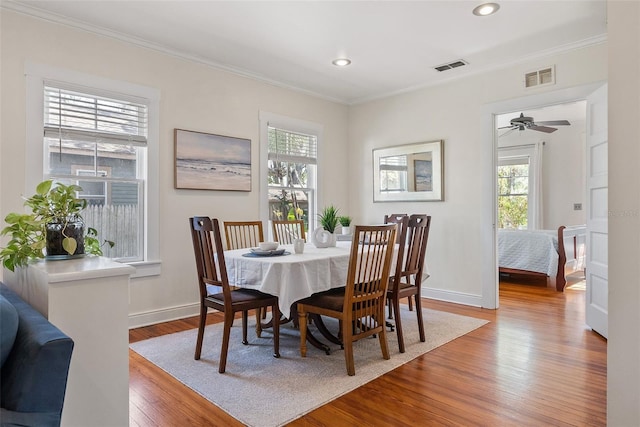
[{"x": 597, "y": 288}]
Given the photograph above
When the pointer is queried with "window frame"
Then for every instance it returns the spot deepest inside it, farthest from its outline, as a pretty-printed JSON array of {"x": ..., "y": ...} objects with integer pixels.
[
  {"x": 516, "y": 155},
  {"x": 36, "y": 76},
  {"x": 293, "y": 125}
]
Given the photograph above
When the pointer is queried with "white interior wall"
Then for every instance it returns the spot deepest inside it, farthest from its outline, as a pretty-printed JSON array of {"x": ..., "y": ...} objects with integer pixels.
[
  {"x": 193, "y": 97},
  {"x": 623, "y": 350},
  {"x": 454, "y": 112}
]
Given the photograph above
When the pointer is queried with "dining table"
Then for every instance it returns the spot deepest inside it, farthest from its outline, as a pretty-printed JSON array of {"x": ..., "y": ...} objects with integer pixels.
[
  {"x": 294, "y": 276},
  {"x": 290, "y": 276}
]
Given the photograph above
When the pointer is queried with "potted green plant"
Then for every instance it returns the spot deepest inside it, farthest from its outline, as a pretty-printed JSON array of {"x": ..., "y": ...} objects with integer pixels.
[
  {"x": 345, "y": 222},
  {"x": 55, "y": 225},
  {"x": 329, "y": 218},
  {"x": 324, "y": 236}
]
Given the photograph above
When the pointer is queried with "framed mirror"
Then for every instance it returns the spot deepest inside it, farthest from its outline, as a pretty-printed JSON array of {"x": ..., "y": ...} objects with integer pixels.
[{"x": 411, "y": 172}]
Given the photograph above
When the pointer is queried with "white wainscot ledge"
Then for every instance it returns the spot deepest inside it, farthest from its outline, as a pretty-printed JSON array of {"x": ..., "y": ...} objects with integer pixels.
[{"x": 88, "y": 299}]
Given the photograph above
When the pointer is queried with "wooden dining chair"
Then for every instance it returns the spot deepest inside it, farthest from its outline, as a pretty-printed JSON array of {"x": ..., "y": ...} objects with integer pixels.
[
  {"x": 401, "y": 239},
  {"x": 359, "y": 306},
  {"x": 216, "y": 293},
  {"x": 286, "y": 232},
  {"x": 397, "y": 219},
  {"x": 407, "y": 280},
  {"x": 243, "y": 234}
]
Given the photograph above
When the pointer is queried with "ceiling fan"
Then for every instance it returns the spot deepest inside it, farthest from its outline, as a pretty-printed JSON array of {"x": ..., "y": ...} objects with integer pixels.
[{"x": 524, "y": 123}]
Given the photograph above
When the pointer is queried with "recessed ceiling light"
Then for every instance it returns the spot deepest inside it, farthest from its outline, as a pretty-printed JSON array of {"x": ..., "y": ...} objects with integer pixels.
[
  {"x": 341, "y": 62},
  {"x": 486, "y": 9}
]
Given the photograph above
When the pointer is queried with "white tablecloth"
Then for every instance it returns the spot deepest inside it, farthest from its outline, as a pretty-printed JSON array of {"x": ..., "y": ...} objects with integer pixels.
[{"x": 290, "y": 277}]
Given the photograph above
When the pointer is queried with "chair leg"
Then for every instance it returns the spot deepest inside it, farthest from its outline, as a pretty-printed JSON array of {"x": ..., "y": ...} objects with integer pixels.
[
  {"x": 420, "y": 320},
  {"x": 275, "y": 312},
  {"x": 245, "y": 324},
  {"x": 398, "y": 320},
  {"x": 347, "y": 342},
  {"x": 384, "y": 345},
  {"x": 258, "y": 322},
  {"x": 228, "y": 321},
  {"x": 201, "y": 324},
  {"x": 410, "y": 304},
  {"x": 302, "y": 325}
]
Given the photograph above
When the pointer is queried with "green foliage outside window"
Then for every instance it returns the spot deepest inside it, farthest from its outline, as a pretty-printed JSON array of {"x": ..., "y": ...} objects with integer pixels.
[{"x": 513, "y": 196}]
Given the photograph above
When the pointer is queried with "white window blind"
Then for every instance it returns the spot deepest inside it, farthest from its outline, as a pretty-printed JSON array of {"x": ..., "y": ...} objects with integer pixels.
[
  {"x": 72, "y": 115},
  {"x": 287, "y": 146}
]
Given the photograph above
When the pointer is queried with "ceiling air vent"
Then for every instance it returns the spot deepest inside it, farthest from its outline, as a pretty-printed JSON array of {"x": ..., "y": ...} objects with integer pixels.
[
  {"x": 544, "y": 76},
  {"x": 454, "y": 64}
]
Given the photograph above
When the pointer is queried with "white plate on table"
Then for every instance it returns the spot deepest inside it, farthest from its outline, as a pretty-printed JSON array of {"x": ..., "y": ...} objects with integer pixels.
[{"x": 260, "y": 252}]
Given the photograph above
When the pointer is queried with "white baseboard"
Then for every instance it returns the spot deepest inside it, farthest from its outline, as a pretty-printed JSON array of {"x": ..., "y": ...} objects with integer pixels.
[
  {"x": 450, "y": 296},
  {"x": 152, "y": 317}
]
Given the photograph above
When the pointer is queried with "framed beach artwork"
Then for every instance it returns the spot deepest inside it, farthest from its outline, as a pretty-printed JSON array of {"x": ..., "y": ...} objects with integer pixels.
[
  {"x": 409, "y": 173},
  {"x": 205, "y": 161}
]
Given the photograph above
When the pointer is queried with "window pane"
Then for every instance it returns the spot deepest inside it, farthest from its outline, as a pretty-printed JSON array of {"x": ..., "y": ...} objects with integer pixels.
[
  {"x": 286, "y": 204},
  {"x": 288, "y": 174},
  {"x": 512, "y": 212},
  {"x": 513, "y": 192}
]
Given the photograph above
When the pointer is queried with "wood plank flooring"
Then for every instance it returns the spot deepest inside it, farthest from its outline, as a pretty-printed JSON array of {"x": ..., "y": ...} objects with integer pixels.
[{"x": 535, "y": 364}]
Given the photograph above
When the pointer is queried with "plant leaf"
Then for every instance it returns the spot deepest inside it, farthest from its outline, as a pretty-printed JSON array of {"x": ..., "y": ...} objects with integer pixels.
[{"x": 69, "y": 244}]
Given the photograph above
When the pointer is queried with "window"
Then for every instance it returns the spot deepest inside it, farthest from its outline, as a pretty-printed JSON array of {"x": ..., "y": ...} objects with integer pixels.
[
  {"x": 291, "y": 170},
  {"x": 103, "y": 140},
  {"x": 513, "y": 193},
  {"x": 520, "y": 187},
  {"x": 101, "y": 134}
]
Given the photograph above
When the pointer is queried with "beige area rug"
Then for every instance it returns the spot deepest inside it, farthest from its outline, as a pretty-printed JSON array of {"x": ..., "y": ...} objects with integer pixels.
[{"x": 292, "y": 386}]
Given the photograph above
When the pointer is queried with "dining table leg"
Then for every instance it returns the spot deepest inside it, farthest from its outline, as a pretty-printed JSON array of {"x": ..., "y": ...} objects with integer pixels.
[{"x": 322, "y": 328}]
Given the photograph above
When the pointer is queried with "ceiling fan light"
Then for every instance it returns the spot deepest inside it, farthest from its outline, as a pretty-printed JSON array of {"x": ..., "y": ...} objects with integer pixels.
[{"x": 486, "y": 9}]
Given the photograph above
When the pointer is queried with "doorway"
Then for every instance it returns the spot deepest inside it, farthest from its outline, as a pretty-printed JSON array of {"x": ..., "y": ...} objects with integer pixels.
[{"x": 491, "y": 112}]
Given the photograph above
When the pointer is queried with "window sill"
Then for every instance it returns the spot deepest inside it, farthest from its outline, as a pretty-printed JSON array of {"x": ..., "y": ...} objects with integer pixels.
[{"x": 145, "y": 268}]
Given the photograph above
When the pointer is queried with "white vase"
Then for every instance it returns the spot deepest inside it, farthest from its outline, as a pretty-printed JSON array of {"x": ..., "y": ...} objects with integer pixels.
[
  {"x": 321, "y": 238},
  {"x": 346, "y": 230}
]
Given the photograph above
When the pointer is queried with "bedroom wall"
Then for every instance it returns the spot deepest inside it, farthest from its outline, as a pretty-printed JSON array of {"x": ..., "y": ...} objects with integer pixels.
[
  {"x": 462, "y": 224},
  {"x": 194, "y": 97}
]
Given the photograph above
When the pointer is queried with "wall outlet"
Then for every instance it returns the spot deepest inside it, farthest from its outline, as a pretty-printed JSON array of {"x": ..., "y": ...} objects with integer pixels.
[{"x": 577, "y": 206}]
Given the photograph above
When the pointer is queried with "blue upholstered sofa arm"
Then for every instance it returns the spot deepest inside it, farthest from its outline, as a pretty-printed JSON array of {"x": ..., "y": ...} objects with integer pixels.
[{"x": 34, "y": 376}]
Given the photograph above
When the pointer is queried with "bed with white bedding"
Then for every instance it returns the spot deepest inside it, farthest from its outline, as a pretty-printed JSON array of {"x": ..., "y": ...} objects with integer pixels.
[{"x": 542, "y": 253}]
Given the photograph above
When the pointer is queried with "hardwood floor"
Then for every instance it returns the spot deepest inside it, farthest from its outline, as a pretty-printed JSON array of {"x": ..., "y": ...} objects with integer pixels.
[{"x": 535, "y": 364}]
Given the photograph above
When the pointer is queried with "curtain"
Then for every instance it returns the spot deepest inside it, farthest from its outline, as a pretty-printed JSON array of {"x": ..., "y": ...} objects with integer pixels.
[{"x": 536, "y": 195}]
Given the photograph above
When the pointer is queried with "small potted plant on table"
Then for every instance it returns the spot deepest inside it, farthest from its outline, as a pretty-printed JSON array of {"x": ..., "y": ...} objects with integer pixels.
[{"x": 345, "y": 222}]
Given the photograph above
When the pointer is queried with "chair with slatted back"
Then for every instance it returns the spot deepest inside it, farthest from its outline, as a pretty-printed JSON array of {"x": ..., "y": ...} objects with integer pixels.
[
  {"x": 397, "y": 219},
  {"x": 401, "y": 220},
  {"x": 286, "y": 232},
  {"x": 407, "y": 281},
  {"x": 359, "y": 306},
  {"x": 243, "y": 234},
  {"x": 216, "y": 293}
]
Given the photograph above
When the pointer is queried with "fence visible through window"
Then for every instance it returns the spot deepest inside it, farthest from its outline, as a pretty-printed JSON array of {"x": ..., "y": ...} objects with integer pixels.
[{"x": 118, "y": 223}]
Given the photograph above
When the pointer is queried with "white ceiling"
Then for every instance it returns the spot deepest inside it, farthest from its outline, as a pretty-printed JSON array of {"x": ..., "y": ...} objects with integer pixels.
[{"x": 394, "y": 45}]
